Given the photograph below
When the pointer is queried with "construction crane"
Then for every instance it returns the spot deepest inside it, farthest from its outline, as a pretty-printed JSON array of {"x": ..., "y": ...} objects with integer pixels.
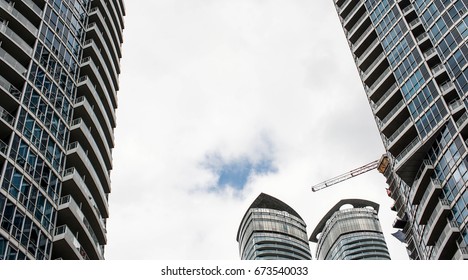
[{"x": 380, "y": 164}]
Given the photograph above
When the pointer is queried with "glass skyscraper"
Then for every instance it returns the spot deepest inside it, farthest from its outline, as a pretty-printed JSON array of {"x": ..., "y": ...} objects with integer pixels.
[
  {"x": 59, "y": 67},
  {"x": 272, "y": 230},
  {"x": 351, "y": 233},
  {"x": 412, "y": 57}
]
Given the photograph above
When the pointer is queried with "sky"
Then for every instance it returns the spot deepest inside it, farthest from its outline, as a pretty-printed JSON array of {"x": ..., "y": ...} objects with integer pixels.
[{"x": 221, "y": 100}]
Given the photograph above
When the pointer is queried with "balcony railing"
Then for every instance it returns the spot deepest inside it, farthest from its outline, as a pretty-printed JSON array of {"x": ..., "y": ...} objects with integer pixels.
[
  {"x": 407, "y": 149},
  {"x": 384, "y": 97},
  {"x": 462, "y": 119},
  {"x": 13, "y": 62},
  {"x": 63, "y": 229},
  {"x": 10, "y": 88},
  {"x": 451, "y": 226},
  {"x": 6, "y": 116}
]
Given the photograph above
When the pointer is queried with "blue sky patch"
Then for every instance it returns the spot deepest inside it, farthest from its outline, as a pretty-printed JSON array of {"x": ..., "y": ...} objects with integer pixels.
[{"x": 236, "y": 173}]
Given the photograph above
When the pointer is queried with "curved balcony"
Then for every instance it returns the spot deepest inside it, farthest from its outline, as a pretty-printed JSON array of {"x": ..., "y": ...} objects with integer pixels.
[
  {"x": 365, "y": 43},
  {"x": 428, "y": 202},
  {"x": 436, "y": 222},
  {"x": 69, "y": 213},
  {"x": 93, "y": 32},
  {"x": 121, "y": 11},
  {"x": 74, "y": 185},
  {"x": 12, "y": 41},
  {"x": 7, "y": 122},
  {"x": 19, "y": 22},
  {"x": 76, "y": 157},
  {"x": 91, "y": 49},
  {"x": 66, "y": 245},
  {"x": 86, "y": 88},
  {"x": 387, "y": 101},
  {"x": 111, "y": 16},
  {"x": 95, "y": 16},
  {"x": 89, "y": 68},
  {"x": 357, "y": 10},
  {"x": 446, "y": 245},
  {"x": 14, "y": 71},
  {"x": 104, "y": 137},
  {"x": 80, "y": 132},
  {"x": 394, "y": 118},
  {"x": 420, "y": 184},
  {"x": 462, "y": 124}
]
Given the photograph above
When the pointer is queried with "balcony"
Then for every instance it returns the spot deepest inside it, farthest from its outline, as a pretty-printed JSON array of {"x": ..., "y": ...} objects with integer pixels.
[
  {"x": 69, "y": 213},
  {"x": 96, "y": 17},
  {"x": 408, "y": 161},
  {"x": 384, "y": 100},
  {"x": 91, "y": 49},
  {"x": 415, "y": 23},
  {"x": 358, "y": 26},
  {"x": 14, "y": 71},
  {"x": 378, "y": 65},
  {"x": 11, "y": 40},
  {"x": 394, "y": 117},
  {"x": 67, "y": 246},
  {"x": 103, "y": 137},
  {"x": 7, "y": 122},
  {"x": 461, "y": 253},
  {"x": 408, "y": 10},
  {"x": 436, "y": 222},
  {"x": 421, "y": 181},
  {"x": 89, "y": 68},
  {"x": 76, "y": 157},
  {"x": 111, "y": 17},
  {"x": 462, "y": 123},
  {"x": 93, "y": 32},
  {"x": 19, "y": 22},
  {"x": 446, "y": 246},
  {"x": 369, "y": 36},
  {"x": 357, "y": 10},
  {"x": 447, "y": 88},
  {"x": 369, "y": 54},
  {"x": 428, "y": 201},
  {"x": 106, "y": 112},
  {"x": 80, "y": 132},
  {"x": 74, "y": 185},
  {"x": 438, "y": 70},
  {"x": 456, "y": 106},
  {"x": 9, "y": 94}
]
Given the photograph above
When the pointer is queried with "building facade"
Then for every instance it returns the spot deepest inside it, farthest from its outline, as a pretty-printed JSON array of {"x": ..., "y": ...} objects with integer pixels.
[
  {"x": 412, "y": 57},
  {"x": 272, "y": 230},
  {"x": 350, "y": 234},
  {"x": 59, "y": 68}
]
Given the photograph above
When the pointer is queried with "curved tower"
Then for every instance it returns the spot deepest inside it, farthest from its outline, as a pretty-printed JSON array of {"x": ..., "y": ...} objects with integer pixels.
[
  {"x": 59, "y": 67},
  {"x": 272, "y": 230},
  {"x": 412, "y": 57},
  {"x": 351, "y": 234}
]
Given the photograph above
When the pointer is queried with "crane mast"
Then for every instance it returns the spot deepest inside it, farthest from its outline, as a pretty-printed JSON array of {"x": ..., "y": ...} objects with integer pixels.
[{"x": 381, "y": 164}]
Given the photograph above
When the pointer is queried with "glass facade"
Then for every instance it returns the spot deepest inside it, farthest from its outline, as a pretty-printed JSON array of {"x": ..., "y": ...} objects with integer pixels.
[
  {"x": 271, "y": 230},
  {"x": 351, "y": 234},
  {"x": 412, "y": 56},
  {"x": 58, "y": 83}
]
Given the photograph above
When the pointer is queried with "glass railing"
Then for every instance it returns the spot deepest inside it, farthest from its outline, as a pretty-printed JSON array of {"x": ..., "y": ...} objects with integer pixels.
[
  {"x": 3, "y": 147},
  {"x": 19, "y": 17},
  {"x": 63, "y": 229},
  {"x": 361, "y": 38},
  {"x": 11, "y": 60},
  {"x": 414, "y": 23},
  {"x": 452, "y": 225},
  {"x": 422, "y": 37},
  {"x": 462, "y": 119},
  {"x": 444, "y": 87},
  {"x": 407, "y": 9},
  {"x": 376, "y": 61},
  {"x": 437, "y": 69},
  {"x": 435, "y": 214},
  {"x": 455, "y": 104},
  {"x": 429, "y": 192},
  {"x": 377, "y": 83},
  {"x": 10, "y": 88},
  {"x": 33, "y": 6},
  {"x": 6, "y": 116},
  {"x": 353, "y": 11},
  {"x": 16, "y": 38},
  {"x": 393, "y": 111},
  {"x": 407, "y": 149},
  {"x": 384, "y": 97},
  {"x": 398, "y": 132},
  {"x": 429, "y": 52}
]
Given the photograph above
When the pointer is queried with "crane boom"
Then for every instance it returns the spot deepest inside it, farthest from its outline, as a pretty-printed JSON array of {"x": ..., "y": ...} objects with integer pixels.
[{"x": 380, "y": 164}]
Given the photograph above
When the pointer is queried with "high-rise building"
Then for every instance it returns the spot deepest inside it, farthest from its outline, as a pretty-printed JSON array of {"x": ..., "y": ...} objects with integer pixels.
[
  {"x": 412, "y": 57},
  {"x": 272, "y": 230},
  {"x": 350, "y": 233},
  {"x": 59, "y": 67}
]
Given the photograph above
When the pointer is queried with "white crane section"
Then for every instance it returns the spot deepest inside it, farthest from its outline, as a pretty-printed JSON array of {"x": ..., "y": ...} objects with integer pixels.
[{"x": 380, "y": 164}]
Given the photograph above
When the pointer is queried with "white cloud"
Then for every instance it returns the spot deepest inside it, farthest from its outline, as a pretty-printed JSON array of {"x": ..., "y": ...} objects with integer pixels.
[{"x": 243, "y": 79}]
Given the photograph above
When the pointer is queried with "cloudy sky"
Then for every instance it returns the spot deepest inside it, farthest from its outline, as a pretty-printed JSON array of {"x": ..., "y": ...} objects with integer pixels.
[{"x": 221, "y": 100}]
